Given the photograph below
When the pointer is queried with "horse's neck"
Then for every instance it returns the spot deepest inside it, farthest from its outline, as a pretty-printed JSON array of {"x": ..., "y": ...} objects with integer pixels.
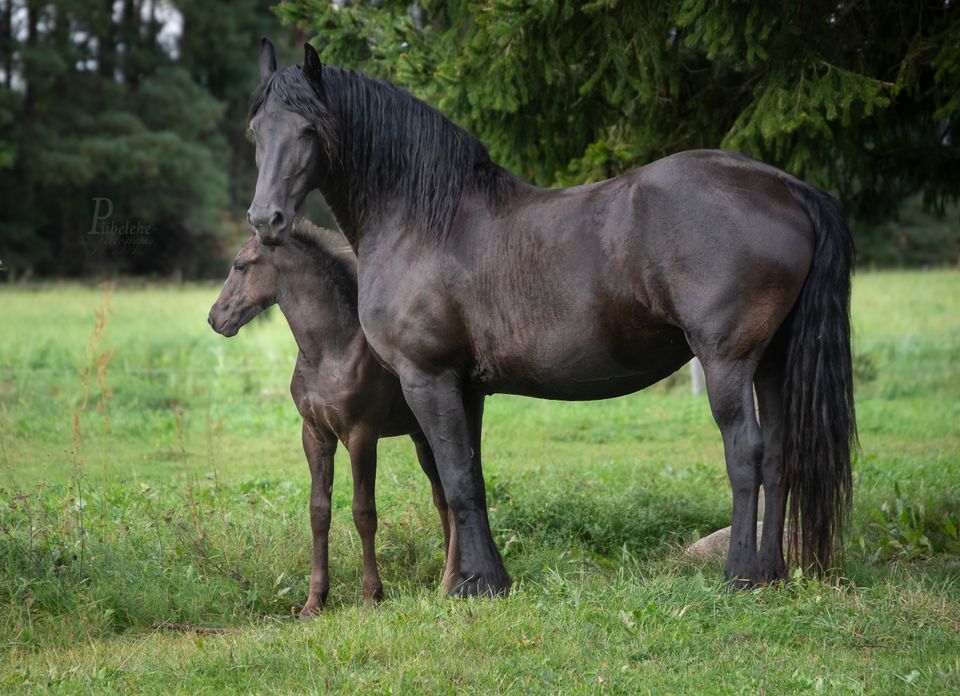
[
  {"x": 356, "y": 224},
  {"x": 330, "y": 183},
  {"x": 322, "y": 320}
]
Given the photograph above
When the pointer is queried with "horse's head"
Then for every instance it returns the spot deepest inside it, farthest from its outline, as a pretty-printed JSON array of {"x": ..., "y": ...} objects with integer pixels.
[
  {"x": 287, "y": 141},
  {"x": 251, "y": 287}
]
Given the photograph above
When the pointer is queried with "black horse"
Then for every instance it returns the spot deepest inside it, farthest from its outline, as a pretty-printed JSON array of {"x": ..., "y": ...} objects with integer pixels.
[{"x": 472, "y": 282}]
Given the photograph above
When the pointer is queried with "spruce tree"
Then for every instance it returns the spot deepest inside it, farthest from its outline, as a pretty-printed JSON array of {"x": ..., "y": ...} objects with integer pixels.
[{"x": 862, "y": 99}]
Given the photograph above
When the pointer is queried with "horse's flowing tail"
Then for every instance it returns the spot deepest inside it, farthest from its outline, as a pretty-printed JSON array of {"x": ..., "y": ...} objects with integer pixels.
[{"x": 820, "y": 431}]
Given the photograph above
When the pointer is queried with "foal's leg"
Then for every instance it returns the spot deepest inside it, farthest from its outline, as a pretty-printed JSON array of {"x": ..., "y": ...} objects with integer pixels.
[
  {"x": 769, "y": 384},
  {"x": 363, "y": 458},
  {"x": 451, "y": 421},
  {"x": 320, "y": 459},
  {"x": 429, "y": 466},
  {"x": 730, "y": 389}
]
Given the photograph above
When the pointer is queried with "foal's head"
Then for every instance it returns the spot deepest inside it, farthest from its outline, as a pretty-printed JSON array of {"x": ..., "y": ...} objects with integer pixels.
[
  {"x": 316, "y": 265},
  {"x": 251, "y": 287}
]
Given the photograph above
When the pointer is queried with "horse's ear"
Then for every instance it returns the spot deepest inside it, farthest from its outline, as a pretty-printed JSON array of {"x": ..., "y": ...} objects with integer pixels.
[
  {"x": 268, "y": 58},
  {"x": 312, "y": 67}
]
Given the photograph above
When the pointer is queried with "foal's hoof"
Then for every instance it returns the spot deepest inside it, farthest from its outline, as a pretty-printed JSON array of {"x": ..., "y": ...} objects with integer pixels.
[
  {"x": 373, "y": 595},
  {"x": 494, "y": 584},
  {"x": 449, "y": 581},
  {"x": 310, "y": 611}
]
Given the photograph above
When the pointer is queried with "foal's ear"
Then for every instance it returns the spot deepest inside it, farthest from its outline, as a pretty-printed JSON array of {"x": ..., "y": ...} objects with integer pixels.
[
  {"x": 268, "y": 58},
  {"x": 312, "y": 67}
]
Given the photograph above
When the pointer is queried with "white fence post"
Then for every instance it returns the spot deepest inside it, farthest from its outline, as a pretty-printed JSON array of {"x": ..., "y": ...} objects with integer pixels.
[{"x": 697, "y": 379}]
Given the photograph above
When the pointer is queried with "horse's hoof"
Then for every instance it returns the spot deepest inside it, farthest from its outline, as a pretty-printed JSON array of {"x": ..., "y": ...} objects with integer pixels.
[
  {"x": 741, "y": 584},
  {"x": 743, "y": 581},
  {"x": 774, "y": 573},
  {"x": 495, "y": 584}
]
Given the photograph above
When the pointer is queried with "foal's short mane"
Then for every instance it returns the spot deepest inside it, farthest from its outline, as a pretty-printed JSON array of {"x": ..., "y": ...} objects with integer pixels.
[
  {"x": 392, "y": 146},
  {"x": 329, "y": 242},
  {"x": 330, "y": 254}
]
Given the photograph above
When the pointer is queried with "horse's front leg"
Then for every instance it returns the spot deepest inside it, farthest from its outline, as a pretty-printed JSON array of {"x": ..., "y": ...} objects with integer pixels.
[
  {"x": 319, "y": 453},
  {"x": 451, "y": 421},
  {"x": 362, "y": 445}
]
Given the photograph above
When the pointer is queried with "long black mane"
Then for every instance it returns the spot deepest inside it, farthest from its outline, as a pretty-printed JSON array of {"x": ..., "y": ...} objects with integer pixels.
[{"x": 391, "y": 146}]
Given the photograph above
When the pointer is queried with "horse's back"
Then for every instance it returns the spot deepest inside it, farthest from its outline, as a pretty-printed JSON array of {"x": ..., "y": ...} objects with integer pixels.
[{"x": 700, "y": 222}]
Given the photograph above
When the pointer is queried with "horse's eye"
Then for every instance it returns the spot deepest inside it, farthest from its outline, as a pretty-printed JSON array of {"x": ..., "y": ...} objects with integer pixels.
[
  {"x": 241, "y": 267},
  {"x": 251, "y": 136}
]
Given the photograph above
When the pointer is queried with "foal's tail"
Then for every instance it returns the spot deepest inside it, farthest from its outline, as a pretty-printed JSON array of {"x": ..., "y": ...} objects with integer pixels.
[{"x": 820, "y": 424}]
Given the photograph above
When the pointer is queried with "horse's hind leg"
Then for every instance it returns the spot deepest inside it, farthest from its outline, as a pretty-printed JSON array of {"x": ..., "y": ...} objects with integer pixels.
[
  {"x": 769, "y": 385},
  {"x": 320, "y": 459},
  {"x": 429, "y": 466},
  {"x": 363, "y": 459},
  {"x": 730, "y": 389}
]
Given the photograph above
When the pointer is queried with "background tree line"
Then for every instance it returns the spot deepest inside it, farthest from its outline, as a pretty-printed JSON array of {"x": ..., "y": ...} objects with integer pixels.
[
  {"x": 861, "y": 98},
  {"x": 143, "y": 102}
]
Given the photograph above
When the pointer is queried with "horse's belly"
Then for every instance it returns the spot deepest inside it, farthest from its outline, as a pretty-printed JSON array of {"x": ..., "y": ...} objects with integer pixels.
[
  {"x": 573, "y": 367},
  {"x": 582, "y": 390}
]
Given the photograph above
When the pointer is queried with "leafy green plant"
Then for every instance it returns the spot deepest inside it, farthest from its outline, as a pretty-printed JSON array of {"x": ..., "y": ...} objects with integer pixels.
[{"x": 908, "y": 531}]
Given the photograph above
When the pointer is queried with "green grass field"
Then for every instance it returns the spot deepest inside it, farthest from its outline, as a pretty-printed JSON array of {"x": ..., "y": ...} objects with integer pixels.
[{"x": 178, "y": 493}]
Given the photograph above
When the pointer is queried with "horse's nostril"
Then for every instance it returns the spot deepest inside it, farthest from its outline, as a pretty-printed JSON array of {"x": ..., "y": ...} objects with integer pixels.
[{"x": 277, "y": 220}]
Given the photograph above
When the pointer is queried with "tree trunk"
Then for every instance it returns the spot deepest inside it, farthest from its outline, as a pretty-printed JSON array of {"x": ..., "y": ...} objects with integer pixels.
[
  {"x": 8, "y": 45},
  {"x": 30, "y": 92},
  {"x": 106, "y": 42},
  {"x": 130, "y": 38}
]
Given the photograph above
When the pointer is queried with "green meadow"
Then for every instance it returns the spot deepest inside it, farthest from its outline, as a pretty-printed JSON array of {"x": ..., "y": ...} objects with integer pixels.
[{"x": 151, "y": 473}]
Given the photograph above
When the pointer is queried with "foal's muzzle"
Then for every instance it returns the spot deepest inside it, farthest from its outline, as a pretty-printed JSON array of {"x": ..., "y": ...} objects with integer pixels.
[{"x": 219, "y": 321}]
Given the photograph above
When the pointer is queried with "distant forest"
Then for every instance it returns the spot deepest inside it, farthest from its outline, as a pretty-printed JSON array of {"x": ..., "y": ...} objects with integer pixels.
[{"x": 122, "y": 122}]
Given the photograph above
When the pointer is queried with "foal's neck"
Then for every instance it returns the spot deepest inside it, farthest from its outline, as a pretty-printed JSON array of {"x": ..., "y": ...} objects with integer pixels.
[{"x": 321, "y": 316}]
